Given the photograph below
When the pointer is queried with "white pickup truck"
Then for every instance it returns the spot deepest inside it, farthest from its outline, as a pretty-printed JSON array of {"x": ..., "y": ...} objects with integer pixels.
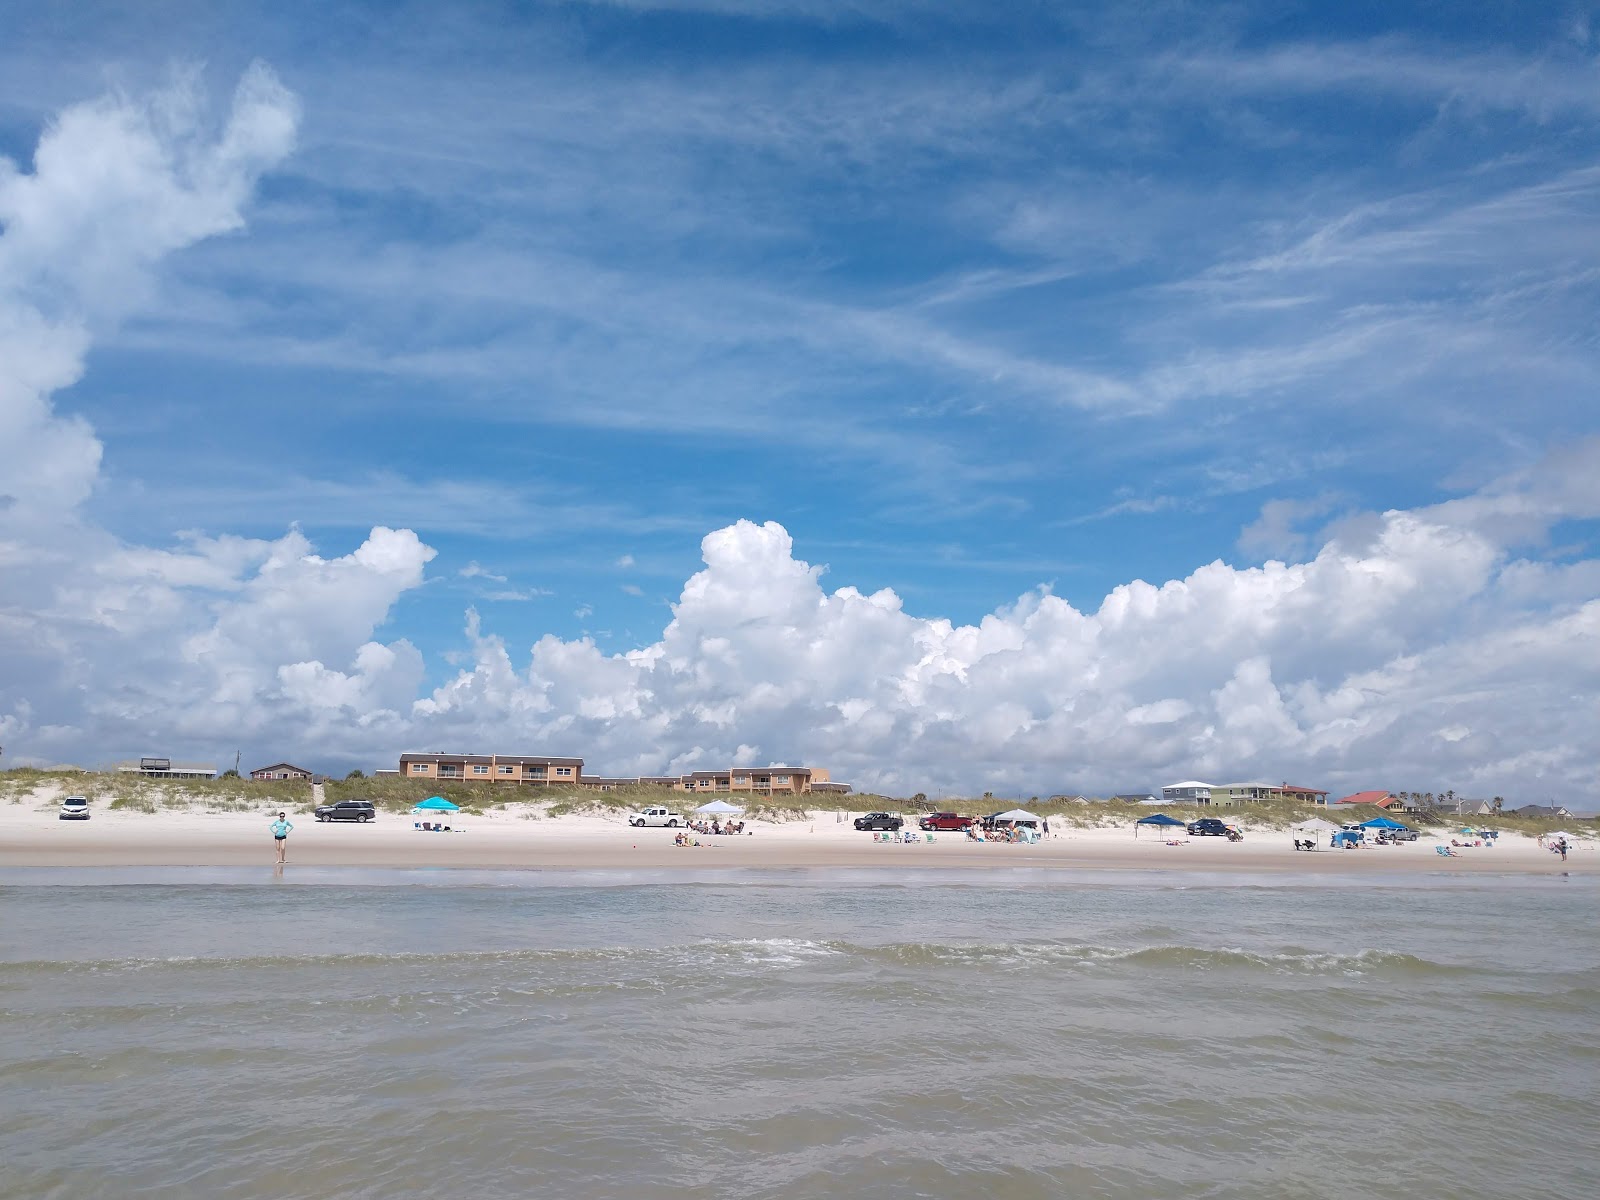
[{"x": 656, "y": 815}]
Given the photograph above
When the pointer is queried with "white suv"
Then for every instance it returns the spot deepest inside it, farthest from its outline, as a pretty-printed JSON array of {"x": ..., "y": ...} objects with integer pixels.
[{"x": 74, "y": 808}]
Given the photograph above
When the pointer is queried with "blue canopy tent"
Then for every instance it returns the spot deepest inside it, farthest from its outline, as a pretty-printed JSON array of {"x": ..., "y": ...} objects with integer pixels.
[
  {"x": 433, "y": 806},
  {"x": 1158, "y": 820},
  {"x": 1381, "y": 823}
]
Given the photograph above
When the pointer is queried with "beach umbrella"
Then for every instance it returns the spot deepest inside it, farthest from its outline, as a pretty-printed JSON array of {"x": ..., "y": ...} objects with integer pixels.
[
  {"x": 437, "y": 804},
  {"x": 719, "y": 808},
  {"x": 1316, "y": 825}
]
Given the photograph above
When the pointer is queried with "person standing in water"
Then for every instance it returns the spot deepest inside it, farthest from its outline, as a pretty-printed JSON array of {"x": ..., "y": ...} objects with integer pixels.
[{"x": 280, "y": 835}]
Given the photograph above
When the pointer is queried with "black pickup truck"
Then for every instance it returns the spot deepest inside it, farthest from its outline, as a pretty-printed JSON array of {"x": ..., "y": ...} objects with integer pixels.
[{"x": 347, "y": 810}]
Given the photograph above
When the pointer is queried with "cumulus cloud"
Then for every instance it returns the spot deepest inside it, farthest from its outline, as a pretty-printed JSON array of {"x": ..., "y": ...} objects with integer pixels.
[
  {"x": 110, "y": 646},
  {"x": 1406, "y": 660}
]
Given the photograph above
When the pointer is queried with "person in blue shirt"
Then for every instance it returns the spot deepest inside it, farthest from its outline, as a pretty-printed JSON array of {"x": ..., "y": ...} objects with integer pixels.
[{"x": 280, "y": 834}]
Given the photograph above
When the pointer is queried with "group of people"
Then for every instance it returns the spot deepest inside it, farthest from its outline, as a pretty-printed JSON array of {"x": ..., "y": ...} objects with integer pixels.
[
  {"x": 1001, "y": 833},
  {"x": 717, "y": 828}
]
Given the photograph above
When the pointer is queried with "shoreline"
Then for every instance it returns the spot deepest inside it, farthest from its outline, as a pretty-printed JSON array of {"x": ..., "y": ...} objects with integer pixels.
[{"x": 33, "y": 837}]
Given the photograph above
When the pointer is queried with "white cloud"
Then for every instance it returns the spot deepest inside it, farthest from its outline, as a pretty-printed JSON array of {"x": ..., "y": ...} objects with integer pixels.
[
  {"x": 625, "y": 561},
  {"x": 1275, "y": 532},
  {"x": 1337, "y": 669},
  {"x": 517, "y": 594},
  {"x": 473, "y": 571}
]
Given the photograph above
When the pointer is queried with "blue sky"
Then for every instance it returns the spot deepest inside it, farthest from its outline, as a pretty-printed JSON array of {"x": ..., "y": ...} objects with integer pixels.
[{"x": 972, "y": 300}]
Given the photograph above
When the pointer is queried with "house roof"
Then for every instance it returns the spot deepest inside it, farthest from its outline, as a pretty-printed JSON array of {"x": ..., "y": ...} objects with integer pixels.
[
  {"x": 282, "y": 766},
  {"x": 1296, "y": 790},
  {"x": 1381, "y": 799},
  {"x": 1189, "y": 783}
]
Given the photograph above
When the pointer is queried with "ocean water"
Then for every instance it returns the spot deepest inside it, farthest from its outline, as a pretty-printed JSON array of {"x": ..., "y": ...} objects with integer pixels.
[{"x": 795, "y": 1034}]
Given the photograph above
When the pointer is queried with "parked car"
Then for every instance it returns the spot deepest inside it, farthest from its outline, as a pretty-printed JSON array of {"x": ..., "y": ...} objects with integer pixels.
[
  {"x": 944, "y": 820},
  {"x": 657, "y": 815},
  {"x": 1403, "y": 834},
  {"x": 1208, "y": 827},
  {"x": 880, "y": 820},
  {"x": 74, "y": 808},
  {"x": 348, "y": 810}
]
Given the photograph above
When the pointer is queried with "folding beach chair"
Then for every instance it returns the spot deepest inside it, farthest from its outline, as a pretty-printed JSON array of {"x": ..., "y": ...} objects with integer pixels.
[{"x": 929, "y": 836}]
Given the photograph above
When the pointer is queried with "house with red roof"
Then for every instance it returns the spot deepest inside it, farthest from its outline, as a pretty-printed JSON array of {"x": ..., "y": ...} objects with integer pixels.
[{"x": 1385, "y": 800}]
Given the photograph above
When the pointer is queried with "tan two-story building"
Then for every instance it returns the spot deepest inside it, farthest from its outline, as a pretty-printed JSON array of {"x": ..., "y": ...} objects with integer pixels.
[{"x": 537, "y": 769}]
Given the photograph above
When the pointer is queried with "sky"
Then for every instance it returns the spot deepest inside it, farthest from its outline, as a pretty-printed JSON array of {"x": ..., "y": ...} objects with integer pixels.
[{"x": 1027, "y": 398}]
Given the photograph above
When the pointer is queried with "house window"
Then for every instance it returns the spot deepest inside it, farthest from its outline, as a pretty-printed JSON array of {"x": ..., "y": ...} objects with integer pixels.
[
  {"x": 780, "y": 779},
  {"x": 563, "y": 770},
  {"x": 419, "y": 768},
  {"x": 479, "y": 770},
  {"x": 508, "y": 770}
]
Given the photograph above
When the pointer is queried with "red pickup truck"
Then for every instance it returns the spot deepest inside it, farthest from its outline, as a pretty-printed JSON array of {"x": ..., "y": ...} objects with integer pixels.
[{"x": 944, "y": 821}]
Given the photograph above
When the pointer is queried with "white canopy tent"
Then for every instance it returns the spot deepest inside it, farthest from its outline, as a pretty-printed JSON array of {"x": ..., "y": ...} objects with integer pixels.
[
  {"x": 719, "y": 808},
  {"x": 1016, "y": 815}
]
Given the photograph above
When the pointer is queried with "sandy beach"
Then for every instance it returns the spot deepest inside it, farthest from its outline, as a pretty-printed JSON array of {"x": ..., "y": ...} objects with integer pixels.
[{"x": 31, "y": 835}]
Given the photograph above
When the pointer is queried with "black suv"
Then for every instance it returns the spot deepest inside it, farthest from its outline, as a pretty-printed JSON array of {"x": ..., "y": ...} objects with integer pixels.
[
  {"x": 1207, "y": 827},
  {"x": 880, "y": 821},
  {"x": 347, "y": 810}
]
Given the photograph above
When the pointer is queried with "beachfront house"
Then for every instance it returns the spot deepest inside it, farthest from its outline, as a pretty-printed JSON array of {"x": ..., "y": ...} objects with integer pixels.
[
  {"x": 763, "y": 781},
  {"x": 1378, "y": 799},
  {"x": 1136, "y": 798},
  {"x": 1190, "y": 791},
  {"x": 1230, "y": 794},
  {"x": 1548, "y": 811},
  {"x": 282, "y": 771},
  {"x": 165, "y": 768},
  {"x": 1471, "y": 808},
  {"x": 1306, "y": 795},
  {"x": 535, "y": 769},
  {"x": 1261, "y": 793}
]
